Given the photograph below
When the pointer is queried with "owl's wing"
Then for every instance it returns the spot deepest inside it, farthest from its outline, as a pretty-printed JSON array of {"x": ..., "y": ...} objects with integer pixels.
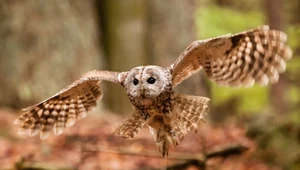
[
  {"x": 236, "y": 60},
  {"x": 67, "y": 106},
  {"x": 131, "y": 126}
]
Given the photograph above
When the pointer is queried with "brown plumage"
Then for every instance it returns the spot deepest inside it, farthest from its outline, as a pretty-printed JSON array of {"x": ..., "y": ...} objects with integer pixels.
[
  {"x": 236, "y": 60},
  {"x": 256, "y": 55}
]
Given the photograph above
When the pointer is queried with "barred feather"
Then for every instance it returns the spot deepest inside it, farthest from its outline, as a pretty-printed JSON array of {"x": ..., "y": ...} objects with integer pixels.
[
  {"x": 131, "y": 126},
  {"x": 256, "y": 55},
  {"x": 64, "y": 108}
]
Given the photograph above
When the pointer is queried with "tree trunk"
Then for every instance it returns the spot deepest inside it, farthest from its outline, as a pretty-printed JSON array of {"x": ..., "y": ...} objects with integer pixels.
[
  {"x": 278, "y": 97},
  {"x": 171, "y": 30},
  {"x": 124, "y": 31},
  {"x": 45, "y": 45}
]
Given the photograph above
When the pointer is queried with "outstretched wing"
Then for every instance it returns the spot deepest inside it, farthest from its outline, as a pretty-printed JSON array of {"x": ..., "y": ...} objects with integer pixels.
[
  {"x": 236, "y": 60},
  {"x": 67, "y": 106}
]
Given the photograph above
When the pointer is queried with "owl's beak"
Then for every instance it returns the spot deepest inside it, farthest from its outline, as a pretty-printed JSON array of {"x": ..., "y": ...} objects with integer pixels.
[{"x": 142, "y": 90}]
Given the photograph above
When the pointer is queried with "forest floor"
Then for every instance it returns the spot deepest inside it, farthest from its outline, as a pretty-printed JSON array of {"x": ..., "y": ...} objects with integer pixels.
[{"x": 91, "y": 144}]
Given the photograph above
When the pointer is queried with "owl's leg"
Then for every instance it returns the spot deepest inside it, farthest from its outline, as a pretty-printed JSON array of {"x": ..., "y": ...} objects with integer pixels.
[
  {"x": 170, "y": 129},
  {"x": 188, "y": 111},
  {"x": 162, "y": 138},
  {"x": 166, "y": 135},
  {"x": 131, "y": 126},
  {"x": 161, "y": 133}
]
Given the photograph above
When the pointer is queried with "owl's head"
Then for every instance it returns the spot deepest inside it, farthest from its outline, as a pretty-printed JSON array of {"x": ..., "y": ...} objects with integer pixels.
[{"x": 147, "y": 81}]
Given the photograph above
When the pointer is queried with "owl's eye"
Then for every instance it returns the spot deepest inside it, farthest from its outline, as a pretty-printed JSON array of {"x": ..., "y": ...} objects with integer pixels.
[
  {"x": 151, "y": 80},
  {"x": 135, "y": 81}
]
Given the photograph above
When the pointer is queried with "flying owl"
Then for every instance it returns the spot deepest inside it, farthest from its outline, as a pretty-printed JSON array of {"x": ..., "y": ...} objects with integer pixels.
[{"x": 257, "y": 55}]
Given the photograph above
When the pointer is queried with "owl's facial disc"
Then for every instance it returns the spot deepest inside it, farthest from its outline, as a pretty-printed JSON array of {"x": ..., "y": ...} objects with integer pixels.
[{"x": 146, "y": 81}]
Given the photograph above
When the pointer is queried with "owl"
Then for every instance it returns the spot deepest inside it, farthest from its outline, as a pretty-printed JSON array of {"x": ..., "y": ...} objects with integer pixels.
[{"x": 240, "y": 60}]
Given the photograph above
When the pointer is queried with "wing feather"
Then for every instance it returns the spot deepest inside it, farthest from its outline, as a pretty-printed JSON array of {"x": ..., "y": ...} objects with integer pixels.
[
  {"x": 64, "y": 108},
  {"x": 256, "y": 55},
  {"x": 131, "y": 126}
]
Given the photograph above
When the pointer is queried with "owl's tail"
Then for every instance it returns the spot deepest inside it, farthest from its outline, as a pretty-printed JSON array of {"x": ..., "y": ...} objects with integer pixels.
[{"x": 188, "y": 112}]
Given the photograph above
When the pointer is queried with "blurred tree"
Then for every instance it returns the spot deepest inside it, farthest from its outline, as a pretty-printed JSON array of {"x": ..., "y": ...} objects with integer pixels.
[
  {"x": 273, "y": 9},
  {"x": 274, "y": 15},
  {"x": 44, "y": 46},
  {"x": 171, "y": 30},
  {"x": 124, "y": 26},
  {"x": 293, "y": 8}
]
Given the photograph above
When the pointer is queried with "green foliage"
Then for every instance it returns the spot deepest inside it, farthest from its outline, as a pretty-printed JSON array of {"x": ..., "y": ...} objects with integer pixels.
[
  {"x": 293, "y": 73},
  {"x": 215, "y": 21},
  {"x": 293, "y": 40},
  {"x": 294, "y": 118},
  {"x": 251, "y": 100},
  {"x": 293, "y": 94},
  {"x": 294, "y": 36}
]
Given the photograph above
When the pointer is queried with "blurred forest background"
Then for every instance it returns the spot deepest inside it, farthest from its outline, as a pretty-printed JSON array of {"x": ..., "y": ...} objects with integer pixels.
[{"x": 46, "y": 45}]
